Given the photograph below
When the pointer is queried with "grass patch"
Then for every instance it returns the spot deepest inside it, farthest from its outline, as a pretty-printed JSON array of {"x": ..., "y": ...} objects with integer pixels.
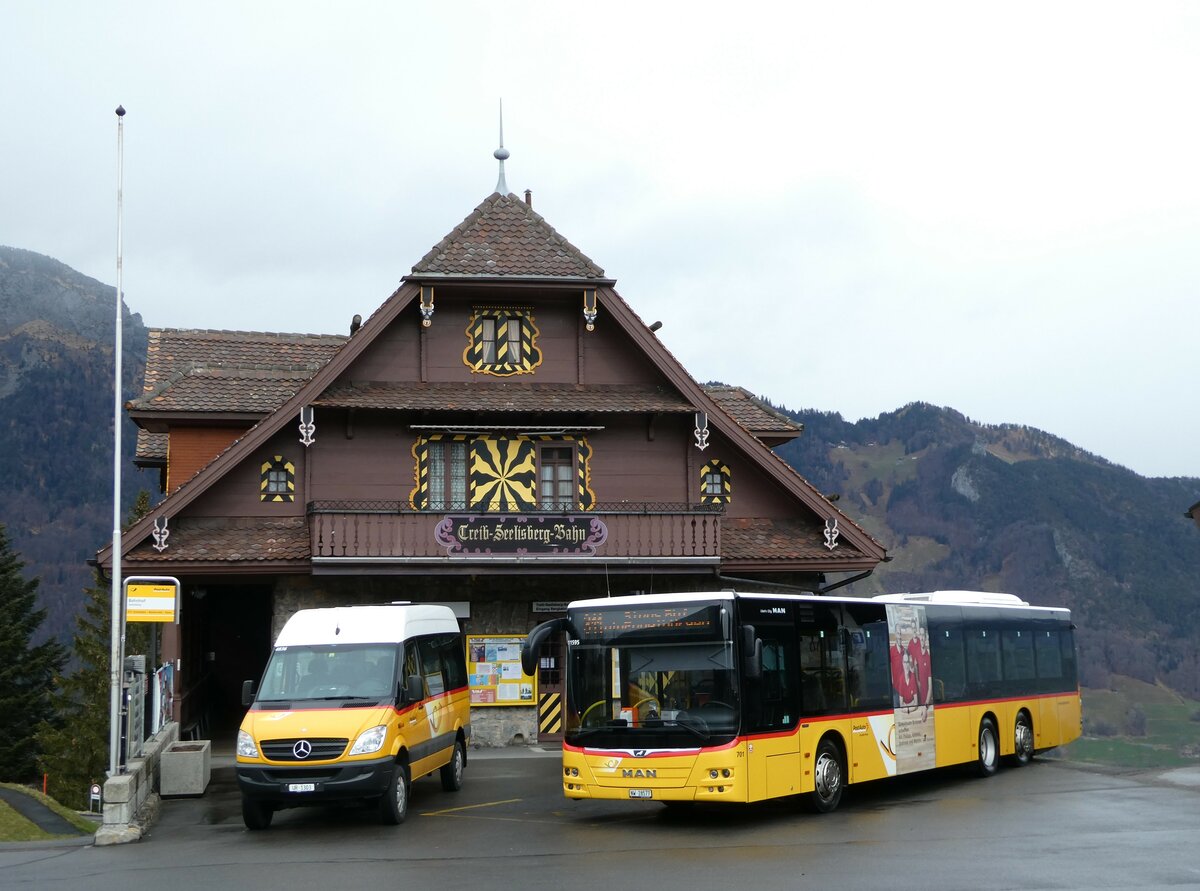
[
  {"x": 1172, "y": 738},
  {"x": 14, "y": 827}
]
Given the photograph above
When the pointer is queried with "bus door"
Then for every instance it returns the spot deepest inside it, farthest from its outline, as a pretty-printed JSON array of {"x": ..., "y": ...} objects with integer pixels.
[
  {"x": 869, "y": 680},
  {"x": 822, "y": 677},
  {"x": 771, "y": 702}
]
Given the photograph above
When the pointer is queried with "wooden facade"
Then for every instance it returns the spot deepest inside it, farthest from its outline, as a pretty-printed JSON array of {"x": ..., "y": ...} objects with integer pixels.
[{"x": 502, "y": 433}]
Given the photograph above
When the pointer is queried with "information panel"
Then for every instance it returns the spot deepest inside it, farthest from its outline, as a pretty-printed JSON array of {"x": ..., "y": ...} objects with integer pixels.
[{"x": 495, "y": 673}]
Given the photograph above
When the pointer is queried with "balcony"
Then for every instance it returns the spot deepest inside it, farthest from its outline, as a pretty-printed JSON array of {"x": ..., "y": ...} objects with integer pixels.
[{"x": 393, "y": 533}]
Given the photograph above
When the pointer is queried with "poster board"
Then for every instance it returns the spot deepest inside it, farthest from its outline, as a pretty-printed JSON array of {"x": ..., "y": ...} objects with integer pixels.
[{"x": 494, "y": 671}]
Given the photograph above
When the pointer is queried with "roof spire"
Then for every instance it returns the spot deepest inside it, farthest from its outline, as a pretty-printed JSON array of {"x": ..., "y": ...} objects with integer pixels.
[{"x": 500, "y": 154}]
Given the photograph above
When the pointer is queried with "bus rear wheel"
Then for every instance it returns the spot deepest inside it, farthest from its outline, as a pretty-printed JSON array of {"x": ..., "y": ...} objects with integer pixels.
[
  {"x": 829, "y": 777},
  {"x": 989, "y": 748},
  {"x": 1023, "y": 741}
]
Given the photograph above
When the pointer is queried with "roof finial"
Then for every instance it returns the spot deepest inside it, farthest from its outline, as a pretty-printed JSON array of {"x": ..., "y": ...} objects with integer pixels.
[{"x": 500, "y": 154}]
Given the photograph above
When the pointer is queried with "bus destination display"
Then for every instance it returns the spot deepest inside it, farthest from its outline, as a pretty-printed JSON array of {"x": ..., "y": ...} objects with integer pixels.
[{"x": 701, "y": 621}]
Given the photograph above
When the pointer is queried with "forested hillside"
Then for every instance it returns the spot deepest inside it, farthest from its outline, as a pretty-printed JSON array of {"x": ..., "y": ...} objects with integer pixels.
[
  {"x": 1009, "y": 508},
  {"x": 957, "y": 504},
  {"x": 56, "y": 405}
]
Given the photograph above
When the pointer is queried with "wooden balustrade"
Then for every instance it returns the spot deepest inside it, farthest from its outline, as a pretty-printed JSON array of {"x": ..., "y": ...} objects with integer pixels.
[{"x": 379, "y": 535}]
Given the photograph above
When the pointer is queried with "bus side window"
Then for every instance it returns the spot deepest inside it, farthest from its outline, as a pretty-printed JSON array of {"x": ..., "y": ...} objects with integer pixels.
[
  {"x": 983, "y": 661},
  {"x": 412, "y": 664},
  {"x": 869, "y": 677},
  {"x": 822, "y": 661},
  {"x": 949, "y": 664}
]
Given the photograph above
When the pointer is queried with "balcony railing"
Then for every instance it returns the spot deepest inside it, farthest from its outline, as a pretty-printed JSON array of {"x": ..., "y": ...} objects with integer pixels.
[{"x": 380, "y": 531}]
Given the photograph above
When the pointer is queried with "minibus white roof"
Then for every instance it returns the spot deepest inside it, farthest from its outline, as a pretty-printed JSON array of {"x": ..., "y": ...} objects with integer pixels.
[{"x": 365, "y": 624}]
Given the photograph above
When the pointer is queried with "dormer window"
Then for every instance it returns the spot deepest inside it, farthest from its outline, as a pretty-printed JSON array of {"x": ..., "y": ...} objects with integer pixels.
[
  {"x": 277, "y": 481},
  {"x": 502, "y": 342},
  {"x": 716, "y": 487}
]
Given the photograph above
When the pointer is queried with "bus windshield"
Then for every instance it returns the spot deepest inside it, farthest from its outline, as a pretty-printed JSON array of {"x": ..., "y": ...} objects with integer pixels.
[
  {"x": 654, "y": 676},
  {"x": 350, "y": 672}
]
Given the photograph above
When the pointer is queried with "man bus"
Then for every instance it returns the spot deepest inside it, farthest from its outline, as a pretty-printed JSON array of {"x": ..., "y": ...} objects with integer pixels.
[{"x": 729, "y": 696}]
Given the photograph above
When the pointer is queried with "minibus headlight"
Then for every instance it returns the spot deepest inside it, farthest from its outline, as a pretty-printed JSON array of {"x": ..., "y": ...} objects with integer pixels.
[
  {"x": 245, "y": 745},
  {"x": 370, "y": 741}
]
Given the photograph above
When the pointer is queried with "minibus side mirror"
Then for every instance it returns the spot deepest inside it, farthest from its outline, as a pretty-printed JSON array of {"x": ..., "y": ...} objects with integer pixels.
[
  {"x": 247, "y": 692},
  {"x": 413, "y": 689}
]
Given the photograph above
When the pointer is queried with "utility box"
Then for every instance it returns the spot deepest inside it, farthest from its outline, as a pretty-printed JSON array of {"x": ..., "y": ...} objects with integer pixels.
[{"x": 186, "y": 768}]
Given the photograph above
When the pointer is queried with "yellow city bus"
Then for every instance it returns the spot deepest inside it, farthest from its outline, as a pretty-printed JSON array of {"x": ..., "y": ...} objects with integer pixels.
[{"x": 740, "y": 697}]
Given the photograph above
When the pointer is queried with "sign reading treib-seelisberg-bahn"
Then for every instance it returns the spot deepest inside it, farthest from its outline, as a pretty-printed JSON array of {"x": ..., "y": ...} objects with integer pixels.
[{"x": 521, "y": 534}]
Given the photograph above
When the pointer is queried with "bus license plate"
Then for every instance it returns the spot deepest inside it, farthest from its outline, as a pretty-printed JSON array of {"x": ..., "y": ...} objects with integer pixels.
[
  {"x": 641, "y": 793},
  {"x": 302, "y": 787}
]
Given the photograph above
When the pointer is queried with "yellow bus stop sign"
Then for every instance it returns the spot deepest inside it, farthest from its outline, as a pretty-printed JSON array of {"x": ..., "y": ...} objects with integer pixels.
[{"x": 151, "y": 599}]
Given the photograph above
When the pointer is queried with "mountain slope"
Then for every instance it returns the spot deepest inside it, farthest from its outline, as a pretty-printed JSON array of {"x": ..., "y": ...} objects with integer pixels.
[
  {"x": 56, "y": 406},
  {"x": 1009, "y": 508}
]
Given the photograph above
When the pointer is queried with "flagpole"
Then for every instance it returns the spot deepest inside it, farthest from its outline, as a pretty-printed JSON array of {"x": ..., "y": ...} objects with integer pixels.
[{"x": 116, "y": 596}]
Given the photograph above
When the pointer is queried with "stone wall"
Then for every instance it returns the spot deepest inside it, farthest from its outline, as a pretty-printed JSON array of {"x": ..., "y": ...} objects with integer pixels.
[{"x": 130, "y": 801}]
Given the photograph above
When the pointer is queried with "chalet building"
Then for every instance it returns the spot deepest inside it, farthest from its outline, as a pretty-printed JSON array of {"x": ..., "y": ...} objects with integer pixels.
[{"x": 502, "y": 435}]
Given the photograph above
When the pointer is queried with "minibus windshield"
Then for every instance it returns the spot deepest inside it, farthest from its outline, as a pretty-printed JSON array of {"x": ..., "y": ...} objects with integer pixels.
[{"x": 351, "y": 672}]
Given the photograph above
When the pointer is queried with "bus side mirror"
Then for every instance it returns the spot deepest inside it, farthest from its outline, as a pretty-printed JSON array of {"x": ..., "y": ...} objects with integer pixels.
[
  {"x": 751, "y": 652},
  {"x": 413, "y": 690},
  {"x": 535, "y": 639},
  {"x": 247, "y": 692}
]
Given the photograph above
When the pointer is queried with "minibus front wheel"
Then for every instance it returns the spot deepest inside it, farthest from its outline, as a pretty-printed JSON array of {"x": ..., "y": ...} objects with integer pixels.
[
  {"x": 256, "y": 814},
  {"x": 452, "y": 773},
  {"x": 393, "y": 807}
]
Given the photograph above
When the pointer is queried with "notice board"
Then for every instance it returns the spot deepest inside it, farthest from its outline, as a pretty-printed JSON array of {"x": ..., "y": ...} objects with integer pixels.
[{"x": 495, "y": 673}]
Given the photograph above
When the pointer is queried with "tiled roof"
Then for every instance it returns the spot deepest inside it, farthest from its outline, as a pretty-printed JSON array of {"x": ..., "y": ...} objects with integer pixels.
[
  {"x": 151, "y": 446},
  {"x": 221, "y": 540},
  {"x": 503, "y": 236},
  {"x": 768, "y": 539},
  {"x": 256, "y": 389},
  {"x": 172, "y": 350},
  {"x": 173, "y": 354},
  {"x": 749, "y": 411},
  {"x": 503, "y": 397}
]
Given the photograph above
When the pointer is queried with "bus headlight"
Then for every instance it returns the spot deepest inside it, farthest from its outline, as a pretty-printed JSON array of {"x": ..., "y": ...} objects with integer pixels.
[
  {"x": 369, "y": 741},
  {"x": 245, "y": 745}
]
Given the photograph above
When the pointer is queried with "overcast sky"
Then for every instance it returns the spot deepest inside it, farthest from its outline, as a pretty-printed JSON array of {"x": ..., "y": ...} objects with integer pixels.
[{"x": 849, "y": 207}]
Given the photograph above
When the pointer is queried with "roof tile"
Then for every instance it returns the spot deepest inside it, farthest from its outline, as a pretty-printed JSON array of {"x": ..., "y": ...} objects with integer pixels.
[
  {"x": 503, "y": 236},
  {"x": 221, "y": 540}
]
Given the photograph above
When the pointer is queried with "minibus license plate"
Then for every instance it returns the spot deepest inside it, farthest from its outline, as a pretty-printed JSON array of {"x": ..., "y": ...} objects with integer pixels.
[
  {"x": 302, "y": 787},
  {"x": 641, "y": 793}
]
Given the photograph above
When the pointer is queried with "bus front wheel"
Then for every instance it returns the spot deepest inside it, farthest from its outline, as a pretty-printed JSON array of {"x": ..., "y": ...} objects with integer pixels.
[
  {"x": 989, "y": 748},
  {"x": 829, "y": 777},
  {"x": 1023, "y": 741}
]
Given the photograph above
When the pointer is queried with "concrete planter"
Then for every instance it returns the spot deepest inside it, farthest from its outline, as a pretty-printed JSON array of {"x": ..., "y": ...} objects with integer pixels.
[{"x": 186, "y": 768}]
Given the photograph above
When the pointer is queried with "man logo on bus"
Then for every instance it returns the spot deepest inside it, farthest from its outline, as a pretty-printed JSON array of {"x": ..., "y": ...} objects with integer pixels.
[{"x": 639, "y": 773}]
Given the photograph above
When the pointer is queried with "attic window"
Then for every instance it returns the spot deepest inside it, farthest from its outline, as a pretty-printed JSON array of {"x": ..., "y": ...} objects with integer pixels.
[
  {"x": 716, "y": 485},
  {"x": 278, "y": 480},
  {"x": 502, "y": 342}
]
